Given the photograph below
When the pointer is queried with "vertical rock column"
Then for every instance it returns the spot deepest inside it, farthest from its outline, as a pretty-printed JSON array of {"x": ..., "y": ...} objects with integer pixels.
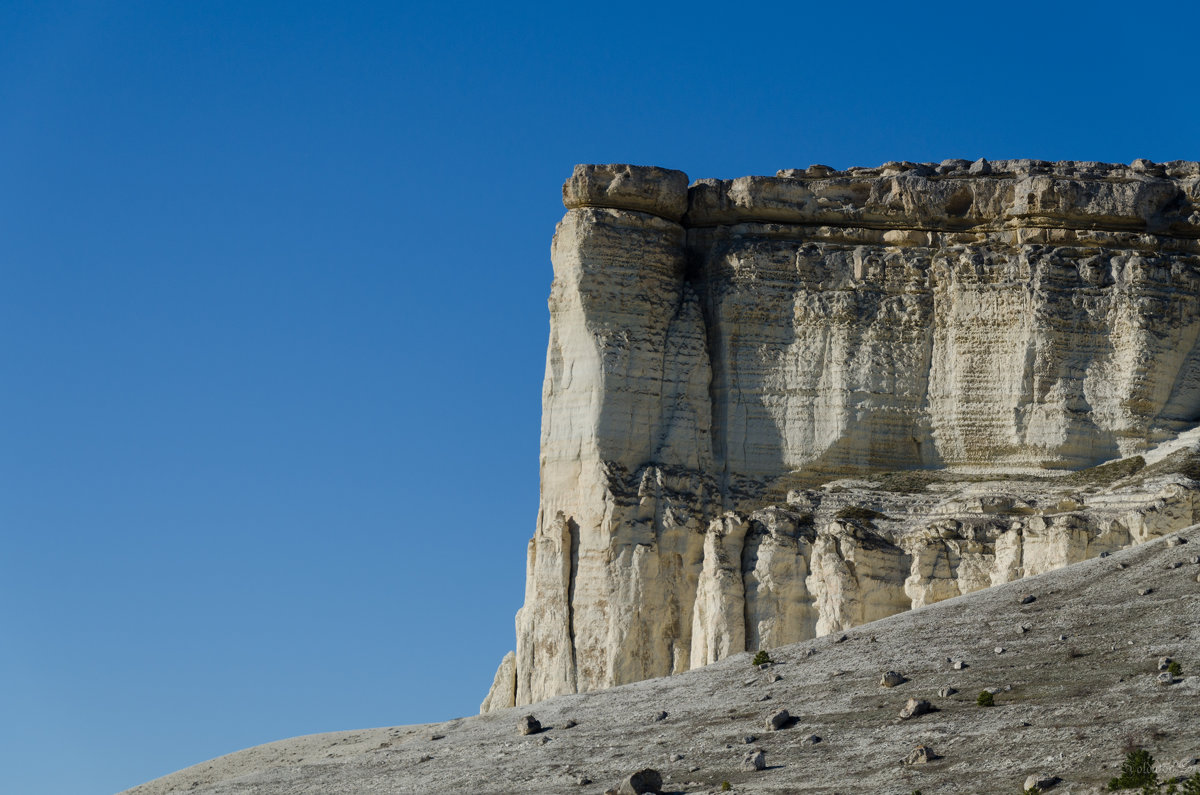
[{"x": 625, "y": 431}]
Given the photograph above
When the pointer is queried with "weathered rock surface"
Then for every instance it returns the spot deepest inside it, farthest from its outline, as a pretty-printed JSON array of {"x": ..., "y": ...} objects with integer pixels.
[
  {"x": 958, "y": 337},
  {"x": 1067, "y": 716}
]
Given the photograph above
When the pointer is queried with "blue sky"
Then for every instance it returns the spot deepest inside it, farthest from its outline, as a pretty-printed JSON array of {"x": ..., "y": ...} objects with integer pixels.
[{"x": 273, "y": 312}]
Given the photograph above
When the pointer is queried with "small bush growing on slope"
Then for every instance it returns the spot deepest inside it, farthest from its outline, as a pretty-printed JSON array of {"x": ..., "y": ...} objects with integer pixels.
[
  {"x": 1136, "y": 771},
  {"x": 1175, "y": 669},
  {"x": 986, "y": 699},
  {"x": 761, "y": 658}
]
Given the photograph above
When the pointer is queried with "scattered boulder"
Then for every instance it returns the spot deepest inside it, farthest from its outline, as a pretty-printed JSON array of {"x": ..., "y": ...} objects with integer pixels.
[
  {"x": 1145, "y": 591},
  {"x": 749, "y": 738},
  {"x": 999, "y": 650},
  {"x": 841, "y": 639},
  {"x": 946, "y": 692},
  {"x": 754, "y": 761},
  {"x": 570, "y": 724},
  {"x": 959, "y": 665},
  {"x": 437, "y": 736},
  {"x": 1025, "y": 628},
  {"x": 1175, "y": 542},
  {"x": 1041, "y": 782},
  {"x": 582, "y": 781},
  {"x": 1165, "y": 678},
  {"x": 1028, "y": 599},
  {"x": 777, "y": 720},
  {"x": 643, "y": 781},
  {"x": 773, "y": 677},
  {"x": 661, "y": 716},
  {"x": 1164, "y": 663},
  {"x": 529, "y": 725},
  {"x": 914, "y": 707},
  {"x": 675, "y": 758},
  {"x": 920, "y": 755},
  {"x": 892, "y": 678},
  {"x": 1174, "y": 565},
  {"x": 810, "y": 739}
]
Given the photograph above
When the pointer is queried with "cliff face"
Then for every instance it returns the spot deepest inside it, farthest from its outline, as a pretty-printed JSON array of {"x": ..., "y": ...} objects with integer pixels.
[{"x": 721, "y": 354}]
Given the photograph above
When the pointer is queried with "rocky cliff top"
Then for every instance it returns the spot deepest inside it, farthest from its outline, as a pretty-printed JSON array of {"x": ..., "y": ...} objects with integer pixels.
[{"x": 954, "y": 195}]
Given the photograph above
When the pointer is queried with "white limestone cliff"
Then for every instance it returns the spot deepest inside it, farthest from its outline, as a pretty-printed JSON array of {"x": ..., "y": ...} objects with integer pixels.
[{"x": 721, "y": 355}]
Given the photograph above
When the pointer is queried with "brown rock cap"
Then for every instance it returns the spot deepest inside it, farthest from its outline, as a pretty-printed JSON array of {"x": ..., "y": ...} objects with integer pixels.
[{"x": 649, "y": 189}]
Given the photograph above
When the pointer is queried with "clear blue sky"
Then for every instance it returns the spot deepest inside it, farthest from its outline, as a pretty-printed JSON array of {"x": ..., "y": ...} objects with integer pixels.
[{"x": 273, "y": 313}]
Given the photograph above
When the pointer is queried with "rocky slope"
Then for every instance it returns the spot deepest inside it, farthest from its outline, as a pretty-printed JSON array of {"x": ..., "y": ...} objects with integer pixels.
[
  {"x": 956, "y": 337},
  {"x": 1075, "y": 670}
]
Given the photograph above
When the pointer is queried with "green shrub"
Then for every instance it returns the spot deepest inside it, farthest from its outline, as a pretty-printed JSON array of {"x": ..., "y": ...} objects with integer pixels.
[
  {"x": 1136, "y": 771},
  {"x": 725, "y": 786},
  {"x": 762, "y": 658},
  {"x": 1175, "y": 669},
  {"x": 986, "y": 699},
  {"x": 1191, "y": 786}
]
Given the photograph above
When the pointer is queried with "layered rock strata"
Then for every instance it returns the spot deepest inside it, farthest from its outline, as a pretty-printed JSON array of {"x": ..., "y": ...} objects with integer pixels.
[{"x": 721, "y": 354}]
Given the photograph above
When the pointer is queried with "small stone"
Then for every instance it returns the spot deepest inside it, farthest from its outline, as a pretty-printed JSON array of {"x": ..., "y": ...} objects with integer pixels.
[
  {"x": 914, "y": 707},
  {"x": 946, "y": 692},
  {"x": 1062, "y": 637},
  {"x": 675, "y": 758},
  {"x": 777, "y": 720},
  {"x": 1176, "y": 541},
  {"x": 1164, "y": 663},
  {"x": 754, "y": 761},
  {"x": 999, "y": 650},
  {"x": 765, "y": 697},
  {"x": 1041, "y": 782},
  {"x": 773, "y": 677},
  {"x": 764, "y": 666},
  {"x": 749, "y": 738},
  {"x": 1165, "y": 678},
  {"x": 1025, "y": 628},
  {"x": 582, "y": 781},
  {"x": 1194, "y": 559},
  {"x": 570, "y": 724},
  {"x": 959, "y": 665},
  {"x": 1145, "y": 592},
  {"x": 891, "y": 679},
  {"x": 980, "y": 167},
  {"x": 920, "y": 755},
  {"x": 810, "y": 739},
  {"x": 543, "y": 740},
  {"x": 841, "y": 639},
  {"x": 1028, "y": 599},
  {"x": 1122, "y": 565},
  {"x": 661, "y": 716},
  {"x": 1189, "y": 761},
  {"x": 529, "y": 725},
  {"x": 437, "y": 736},
  {"x": 809, "y": 652},
  {"x": 643, "y": 781},
  {"x": 1174, "y": 565}
]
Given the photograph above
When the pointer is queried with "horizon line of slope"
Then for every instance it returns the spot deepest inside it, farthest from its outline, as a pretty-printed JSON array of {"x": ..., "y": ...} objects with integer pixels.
[{"x": 1070, "y": 708}]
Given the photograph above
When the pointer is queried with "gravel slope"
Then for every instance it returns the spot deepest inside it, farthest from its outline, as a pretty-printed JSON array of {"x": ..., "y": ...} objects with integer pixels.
[{"x": 1065, "y": 707}]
